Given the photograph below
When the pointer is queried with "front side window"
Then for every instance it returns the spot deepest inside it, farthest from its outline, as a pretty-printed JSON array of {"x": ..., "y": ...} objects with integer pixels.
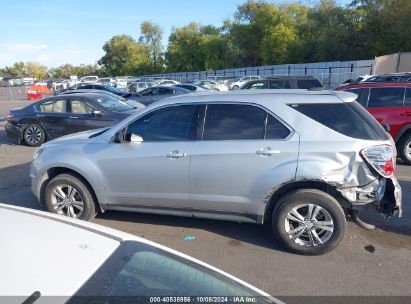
[
  {"x": 257, "y": 86},
  {"x": 164, "y": 91},
  {"x": 175, "y": 123},
  {"x": 234, "y": 122},
  {"x": 53, "y": 106},
  {"x": 386, "y": 97},
  {"x": 80, "y": 107}
]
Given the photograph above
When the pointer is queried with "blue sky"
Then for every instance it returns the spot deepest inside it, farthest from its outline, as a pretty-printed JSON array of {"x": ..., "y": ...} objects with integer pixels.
[{"x": 54, "y": 32}]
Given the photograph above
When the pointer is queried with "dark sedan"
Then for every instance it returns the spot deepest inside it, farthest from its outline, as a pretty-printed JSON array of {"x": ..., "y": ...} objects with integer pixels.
[
  {"x": 95, "y": 86},
  {"x": 154, "y": 94},
  {"x": 61, "y": 115}
]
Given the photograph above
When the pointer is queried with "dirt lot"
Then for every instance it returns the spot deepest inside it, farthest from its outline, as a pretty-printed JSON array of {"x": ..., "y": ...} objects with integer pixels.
[{"x": 367, "y": 263}]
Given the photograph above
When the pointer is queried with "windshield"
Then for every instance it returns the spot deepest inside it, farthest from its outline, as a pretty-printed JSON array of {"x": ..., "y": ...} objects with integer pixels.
[
  {"x": 137, "y": 269},
  {"x": 113, "y": 104}
]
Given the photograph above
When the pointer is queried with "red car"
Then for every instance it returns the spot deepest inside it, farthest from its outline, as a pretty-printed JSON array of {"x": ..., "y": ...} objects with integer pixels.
[{"x": 389, "y": 103}]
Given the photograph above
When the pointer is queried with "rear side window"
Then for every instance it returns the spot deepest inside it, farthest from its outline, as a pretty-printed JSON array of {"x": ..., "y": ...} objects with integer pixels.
[
  {"x": 53, "y": 106},
  {"x": 234, "y": 122},
  {"x": 348, "y": 119},
  {"x": 386, "y": 97},
  {"x": 308, "y": 84},
  {"x": 279, "y": 84},
  {"x": 362, "y": 95}
]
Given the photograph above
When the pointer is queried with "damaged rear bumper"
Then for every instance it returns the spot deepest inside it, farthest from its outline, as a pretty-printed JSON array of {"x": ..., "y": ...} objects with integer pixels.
[{"x": 384, "y": 193}]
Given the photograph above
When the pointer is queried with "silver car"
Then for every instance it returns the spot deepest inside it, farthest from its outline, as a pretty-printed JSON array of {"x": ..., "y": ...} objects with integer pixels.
[{"x": 295, "y": 157}]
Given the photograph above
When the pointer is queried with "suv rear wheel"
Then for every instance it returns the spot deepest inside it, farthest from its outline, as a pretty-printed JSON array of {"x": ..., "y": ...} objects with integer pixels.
[
  {"x": 69, "y": 195},
  {"x": 309, "y": 222},
  {"x": 404, "y": 148}
]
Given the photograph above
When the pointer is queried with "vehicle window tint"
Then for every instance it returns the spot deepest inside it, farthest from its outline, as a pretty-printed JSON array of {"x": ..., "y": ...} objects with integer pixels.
[
  {"x": 308, "y": 84},
  {"x": 136, "y": 269},
  {"x": 407, "y": 101},
  {"x": 53, "y": 106},
  {"x": 362, "y": 95},
  {"x": 275, "y": 129},
  {"x": 169, "y": 124},
  {"x": 386, "y": 97},
  {"x": 164, "y": 91},
  {"x": 276, "y": 84},
  {"x": 257, "y": 86},
  {"x": 80, "y": 107},
  {"x": 342, "y": 118},
  {"x": 234, "y": 122}
]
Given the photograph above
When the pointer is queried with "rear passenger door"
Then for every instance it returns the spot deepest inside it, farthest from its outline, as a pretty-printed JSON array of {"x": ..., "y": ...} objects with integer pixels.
[
  {"x": 52, "y": 116},
  {"x": 241, "y": 152},
  {"x": 386, "y": 105}
]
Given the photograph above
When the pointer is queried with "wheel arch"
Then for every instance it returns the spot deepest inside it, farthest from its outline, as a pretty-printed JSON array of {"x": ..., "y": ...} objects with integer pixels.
[
  {"x": 54, "y": 171},
  {"x": 302, "y": 184},
  {"x": 404, "y": 131}
]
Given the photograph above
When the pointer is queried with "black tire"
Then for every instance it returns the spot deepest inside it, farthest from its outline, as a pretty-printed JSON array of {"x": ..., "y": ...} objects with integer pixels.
[
  {"x": 34, "y": 135},
  {"x": 299, "y": 198},
  {"x": 236, "y": 87},
  {"x": 84, "y": 194},
  {"x": 402, "y": 145}
]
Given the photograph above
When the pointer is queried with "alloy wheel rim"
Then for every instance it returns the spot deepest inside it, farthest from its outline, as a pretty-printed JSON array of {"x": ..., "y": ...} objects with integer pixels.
[
  {"x": 408, "y": 150},
  {"x": 33, "y": 134},
  {"x": 309, "y": 225},
  {"x": 67, "y": 200}
]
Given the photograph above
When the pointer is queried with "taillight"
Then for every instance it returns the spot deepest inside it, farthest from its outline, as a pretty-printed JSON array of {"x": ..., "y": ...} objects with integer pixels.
[
  {"x": 10, "y": 117},
  {"x": 381, "y": 158}
]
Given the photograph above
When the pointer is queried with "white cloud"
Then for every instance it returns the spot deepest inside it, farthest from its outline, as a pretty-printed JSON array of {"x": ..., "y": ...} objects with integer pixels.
[
  {"x": 52, "y": 56},
  {"x": 24, "y": 47}
]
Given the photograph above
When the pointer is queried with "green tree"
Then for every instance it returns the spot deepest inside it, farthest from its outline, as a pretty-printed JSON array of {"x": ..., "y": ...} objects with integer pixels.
[
  {"x": 151, "y": 36},
  {"x": 36, "y": 70},
  {"x": 124, "y": 56}
]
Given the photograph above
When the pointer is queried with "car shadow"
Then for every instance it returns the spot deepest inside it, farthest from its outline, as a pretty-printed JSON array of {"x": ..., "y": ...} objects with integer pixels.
[{"x": 259, "y": 235}]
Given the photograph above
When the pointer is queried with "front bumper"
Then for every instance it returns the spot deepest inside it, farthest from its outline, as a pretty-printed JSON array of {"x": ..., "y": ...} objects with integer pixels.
[{"x": 14, "y": 133}]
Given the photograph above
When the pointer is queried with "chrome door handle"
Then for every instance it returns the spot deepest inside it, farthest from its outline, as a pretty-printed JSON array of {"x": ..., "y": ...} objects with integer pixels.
[
  {"x": 73, "y": 117},
  {"x": 175, "y": 154},
  {"x": 40, "y": 115},
  {"x": 267, "y": 152}
]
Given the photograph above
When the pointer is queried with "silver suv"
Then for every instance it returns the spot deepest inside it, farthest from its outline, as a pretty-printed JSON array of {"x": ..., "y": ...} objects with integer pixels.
[{"x": 296, "y": 158}]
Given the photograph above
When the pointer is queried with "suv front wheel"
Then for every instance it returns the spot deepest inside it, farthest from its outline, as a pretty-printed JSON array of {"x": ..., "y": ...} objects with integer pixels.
[{"x": 309, "y": 222}]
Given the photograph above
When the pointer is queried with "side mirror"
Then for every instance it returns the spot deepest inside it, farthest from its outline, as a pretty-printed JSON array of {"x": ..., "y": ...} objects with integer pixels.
[
  {"x": 98, "y": 113},
  {"x": 386, "y": 127},
  {"x": 119, "y": 137},
  {"x": 135, "y": 138}
]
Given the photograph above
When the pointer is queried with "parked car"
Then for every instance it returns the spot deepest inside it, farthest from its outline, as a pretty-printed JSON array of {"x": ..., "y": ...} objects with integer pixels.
[
  {"x": 166, "y": 82},
  {"x": 95, "y": 86},
  {"x": 133, "y": 103},
  {"x": 191, "y": 87},
  {"x": 60, "y": 115},
  {"x": 389, "y": 103},
  {"x": 105, "y": 80},
  {"x": 110, "y": 265},
  {"x": 392, "y": 77},
  {"x": 89, "y": 79},
  {"x": 154, "y": 94},
  {"x": 357, "y": 79},
  {"x": 136, "y": 87},
  {"x": 235, "y": 85},
  {"x": 294, "y": 157},
  {"x": 283, "y": 82},
  {"x": 211, "y": 85}
]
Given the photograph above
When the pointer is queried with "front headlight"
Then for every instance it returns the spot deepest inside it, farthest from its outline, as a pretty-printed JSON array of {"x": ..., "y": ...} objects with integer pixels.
[{"x": 37, "y": 152}]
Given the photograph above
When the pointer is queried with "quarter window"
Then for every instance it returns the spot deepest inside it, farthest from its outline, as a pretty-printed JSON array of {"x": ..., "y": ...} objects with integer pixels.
[
  {"x": 275, "y": 129},
  {"x": 174, "y": 123},
  {"x": 53, "y": 106},
  {"x": 386, "y": 97}
]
